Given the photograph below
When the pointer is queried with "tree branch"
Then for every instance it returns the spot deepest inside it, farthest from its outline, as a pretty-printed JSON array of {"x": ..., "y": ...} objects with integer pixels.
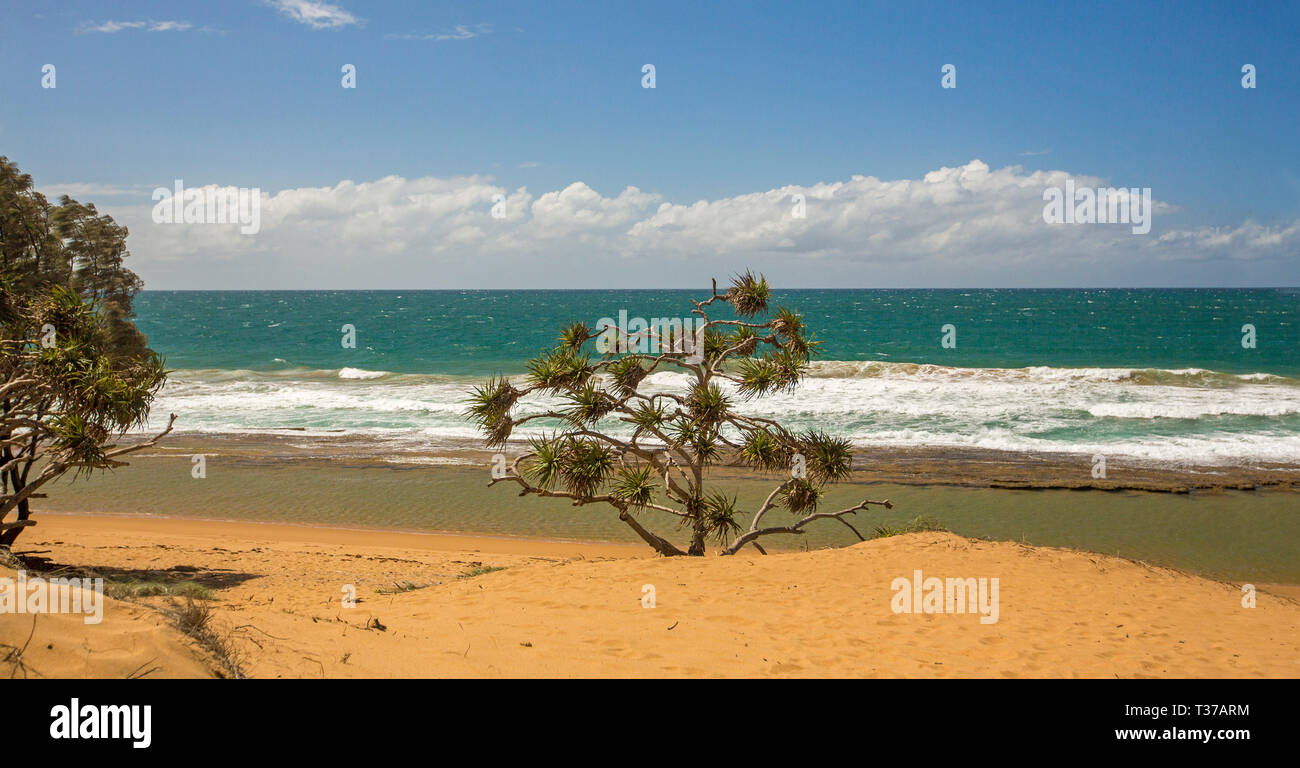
[{"x": 753, "y": 534}]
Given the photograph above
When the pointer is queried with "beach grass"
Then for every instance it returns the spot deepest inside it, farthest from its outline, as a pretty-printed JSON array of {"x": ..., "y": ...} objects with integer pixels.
[
  {"x": 399, "y": 587},
  {"x": 480, "y": 570},
  {"x": 916, "y": 524},
  {"x": 126, "y": 590},
  {"x": 195, "y": 619}
]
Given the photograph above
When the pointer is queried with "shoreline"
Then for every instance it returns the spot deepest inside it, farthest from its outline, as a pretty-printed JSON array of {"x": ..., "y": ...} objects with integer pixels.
[{"x": 920, "y": 466}]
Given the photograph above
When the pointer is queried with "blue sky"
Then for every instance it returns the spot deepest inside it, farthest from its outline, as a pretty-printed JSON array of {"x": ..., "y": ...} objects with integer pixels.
[{"x": 750, "y": 98}]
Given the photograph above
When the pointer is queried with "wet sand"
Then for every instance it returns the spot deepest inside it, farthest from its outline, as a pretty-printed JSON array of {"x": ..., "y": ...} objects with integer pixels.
[{"x": 935, "y": 465}]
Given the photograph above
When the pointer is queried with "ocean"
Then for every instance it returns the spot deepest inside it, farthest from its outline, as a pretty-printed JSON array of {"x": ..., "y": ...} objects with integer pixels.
[{"x": 1159, "y": 374}]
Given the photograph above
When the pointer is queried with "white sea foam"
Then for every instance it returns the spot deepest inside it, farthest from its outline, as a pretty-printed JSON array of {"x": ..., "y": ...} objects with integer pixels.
[
  {"x": 360, "y": 373},
  {"x": 1188, "y": 415}
]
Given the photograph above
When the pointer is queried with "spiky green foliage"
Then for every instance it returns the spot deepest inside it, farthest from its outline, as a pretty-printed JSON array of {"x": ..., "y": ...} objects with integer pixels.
[
  {"x": 588, "y": 404},
  {"x": 700, "y": 440},
  {"x": 829, "y": 459},
  {"x": 489, "y": 407},
  {"x": 574, "y": 335},
  {"x": 547, "y": 461},
  {"x": 767, "y": 451},
  {"x": 774, "y": 372},
  {"x": 748, "y": 294},
  {"x": 792, "y": 336},
  {"x": 585, "y": 465},
  {"x": 707, "y": 405},
  {"x": 648, "y": 417},
  {"x": 801, "y": 497},
  {"x": 787, "y": 323},
  {"x": 720, "y": 517},
  {"x": 560, "y": 369},
  {"x": 635, "y": 485},
  {"x": 627, "y": 372},
  {"x": 716, "y": 344},
  {"x": 743, "y": 339}
]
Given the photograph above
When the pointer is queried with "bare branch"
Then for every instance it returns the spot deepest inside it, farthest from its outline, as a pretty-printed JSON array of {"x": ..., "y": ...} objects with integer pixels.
[{"x": 797, "y": 527}]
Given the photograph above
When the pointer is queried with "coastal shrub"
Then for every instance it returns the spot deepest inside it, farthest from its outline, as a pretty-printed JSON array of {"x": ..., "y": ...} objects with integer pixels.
[
  {"x": 402, "y": 586},
  {"x": 75, "y": 373},
  {"x": 620, "y": 442},
  {"x": 915, "y": 525},
  {"x": 125, "y": 590},
  {"x": 479, "y": 571},
  {"x": 196, "y": 620}
]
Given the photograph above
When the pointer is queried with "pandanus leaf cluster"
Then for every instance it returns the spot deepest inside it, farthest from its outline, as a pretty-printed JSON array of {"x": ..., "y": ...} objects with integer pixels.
[{"x": 597, "y": 433}]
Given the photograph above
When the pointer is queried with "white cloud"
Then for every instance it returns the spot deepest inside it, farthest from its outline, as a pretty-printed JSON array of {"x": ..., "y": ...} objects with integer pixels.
[
  {"x": 462, "y": 32},
  {"x": 1246, "y": 242},
  {"x": 962, "y": 225},
  {"x": 170, "y": 26},
  {"x": 316, "y": 15},
  {"x": 152, "y": 26},
  {"x": 111, "y": 26},
  {"x": 86, "y": 191},
  {"x": 459, "y": 32}
]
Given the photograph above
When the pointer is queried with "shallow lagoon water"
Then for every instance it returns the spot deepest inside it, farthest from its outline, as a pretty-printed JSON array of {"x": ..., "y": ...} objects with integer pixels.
[{"x": 1236, "y": 535}]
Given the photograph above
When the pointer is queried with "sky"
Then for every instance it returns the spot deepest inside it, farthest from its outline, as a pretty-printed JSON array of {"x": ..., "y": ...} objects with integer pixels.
[{"x": 514, "y": 145}]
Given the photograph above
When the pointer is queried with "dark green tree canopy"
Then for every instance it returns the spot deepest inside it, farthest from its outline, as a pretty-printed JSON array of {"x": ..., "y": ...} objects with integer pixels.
[{"x": 75, "y": 372}]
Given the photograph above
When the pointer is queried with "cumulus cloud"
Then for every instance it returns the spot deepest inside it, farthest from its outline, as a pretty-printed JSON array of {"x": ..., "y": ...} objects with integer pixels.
[
  {"x": 962, "y": 225},
  {"x": 1246, "y": 242},
  {"x": 316, "y": 15}
]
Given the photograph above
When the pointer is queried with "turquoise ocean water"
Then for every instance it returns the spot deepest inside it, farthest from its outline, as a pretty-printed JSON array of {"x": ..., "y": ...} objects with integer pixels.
[{"x": 1161, "y": 374}]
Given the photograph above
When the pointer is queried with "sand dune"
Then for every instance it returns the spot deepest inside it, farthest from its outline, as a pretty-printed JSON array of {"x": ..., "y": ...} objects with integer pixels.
[
  {"x": 574, "y": 609},
  {"x": 132, "y": 641}
]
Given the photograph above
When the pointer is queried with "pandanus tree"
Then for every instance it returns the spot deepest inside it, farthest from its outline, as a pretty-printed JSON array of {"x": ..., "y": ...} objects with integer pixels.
[
  {"x": 75, "y": 373},
  {"x": 623, "y": 444}
]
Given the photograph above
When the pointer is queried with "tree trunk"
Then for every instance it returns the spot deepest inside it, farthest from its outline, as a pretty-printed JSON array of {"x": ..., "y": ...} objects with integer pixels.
[
  {"x": 660, "y": 545},
  {"x": 24, "y": 511},
  {"x": 697, "y": 539}
]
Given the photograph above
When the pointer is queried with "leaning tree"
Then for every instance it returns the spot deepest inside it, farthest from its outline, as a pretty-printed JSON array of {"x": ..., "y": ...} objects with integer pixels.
[
  {"x": 659, "y": 460},
  {"x": 75, "y": 373}
]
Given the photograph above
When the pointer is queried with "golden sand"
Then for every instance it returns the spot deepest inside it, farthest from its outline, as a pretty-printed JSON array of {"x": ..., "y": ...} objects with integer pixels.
[{"x": 572, "y": 609}]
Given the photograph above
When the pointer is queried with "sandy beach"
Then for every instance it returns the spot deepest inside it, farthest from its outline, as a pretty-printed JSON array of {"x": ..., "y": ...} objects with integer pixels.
[{"x": 437, "y": 605}]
